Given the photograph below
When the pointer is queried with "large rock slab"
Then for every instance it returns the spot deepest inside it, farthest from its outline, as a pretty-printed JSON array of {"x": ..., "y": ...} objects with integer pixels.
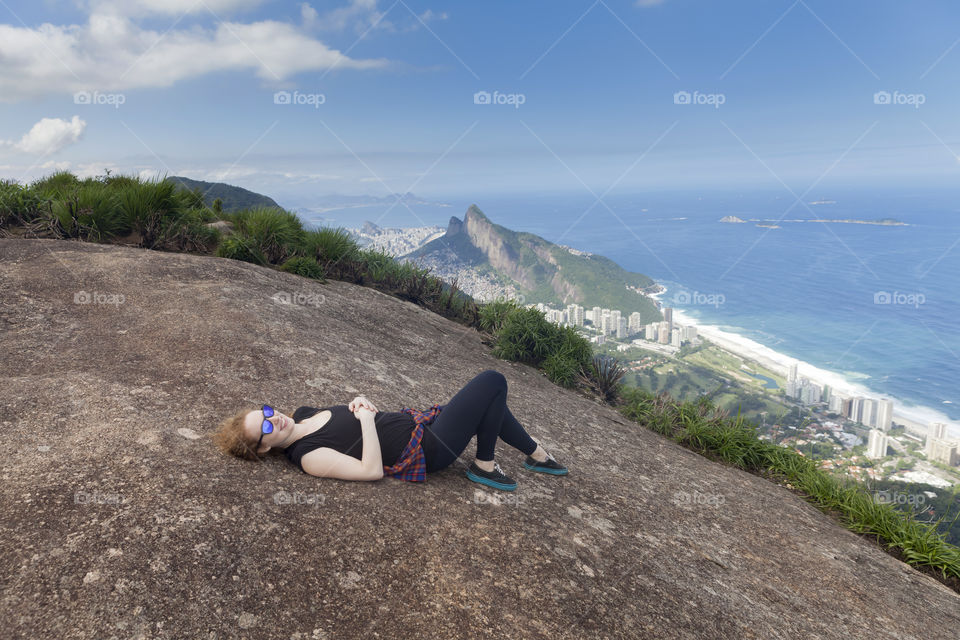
[{"x": 118, "y": 521}]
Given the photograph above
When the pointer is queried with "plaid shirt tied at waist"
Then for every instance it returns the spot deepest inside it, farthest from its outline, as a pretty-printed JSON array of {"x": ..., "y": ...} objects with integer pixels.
[{"x": 411, "y": 466}]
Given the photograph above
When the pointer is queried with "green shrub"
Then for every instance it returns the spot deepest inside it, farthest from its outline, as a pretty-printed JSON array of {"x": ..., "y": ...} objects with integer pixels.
[
  {"x": 302, "y": 266},
  {"x": 449, "y": 293},
  {"x": 101, "y": 210},
  {"x": 416, "y": 284},
  {"x": 561, "y": 369},
  {"x": 378, "y": 266},
  {"x": 236, "y": 247},
  {"x": 189, "y": 232},
  {"x": 334, "y": 248},
  {"x": 18, "y": 204},
  {"x": 58, "y": 184},
  {"x": 494, "y": 314},
  {"x": 523, "y": 334},
  {"x": 526, "y": 336},
  {"x": 149, "y": 208},
  {"x": 270, "y": 232},
  {"x": 90, "y": 213},
  {"x": 193, "y": 199},
  {"x": 120, "y": 181},
  {"x": 574, "y": 346}
]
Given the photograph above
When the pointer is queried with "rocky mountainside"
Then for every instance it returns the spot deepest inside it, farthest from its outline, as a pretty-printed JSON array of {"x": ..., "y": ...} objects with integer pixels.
[
  {"x": 540, "y": 270},
  {"x": 120, "y": 519},
  {"x": 233, "y": 198}
]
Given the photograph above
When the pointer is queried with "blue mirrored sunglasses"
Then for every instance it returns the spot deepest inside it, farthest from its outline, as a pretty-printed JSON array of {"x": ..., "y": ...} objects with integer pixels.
[{"x": 266, "y": 426}]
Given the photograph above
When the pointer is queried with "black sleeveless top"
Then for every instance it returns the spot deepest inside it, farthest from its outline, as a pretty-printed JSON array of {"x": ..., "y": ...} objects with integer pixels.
[{"x": 342, "y": 433}]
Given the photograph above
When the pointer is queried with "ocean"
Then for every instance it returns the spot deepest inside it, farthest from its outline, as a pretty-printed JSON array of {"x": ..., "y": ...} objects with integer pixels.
[{"x": 876, "y": 304}]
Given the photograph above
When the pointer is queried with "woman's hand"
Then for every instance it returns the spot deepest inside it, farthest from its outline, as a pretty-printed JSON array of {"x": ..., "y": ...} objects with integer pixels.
[
  {"x": 362, "y": 412},
  {"x": 360, "y": 401}
]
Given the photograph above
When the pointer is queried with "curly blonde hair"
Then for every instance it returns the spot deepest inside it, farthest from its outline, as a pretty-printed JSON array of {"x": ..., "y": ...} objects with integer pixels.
[{"x": 232, "y": 438}]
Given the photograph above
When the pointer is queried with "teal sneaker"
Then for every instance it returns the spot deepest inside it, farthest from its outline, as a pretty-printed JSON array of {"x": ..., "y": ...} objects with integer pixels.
[
  {"x": 547, "y": 466},
  {"x": 496, "y": 478}
]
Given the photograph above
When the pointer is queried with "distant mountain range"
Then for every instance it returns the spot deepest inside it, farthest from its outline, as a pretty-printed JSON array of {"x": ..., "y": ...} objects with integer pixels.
[
  {"x": 541, "y": 270},
  {"x": 334, "y": 200},
  {"x": 318, "y": 205},
  {"x": 233, "y": 198}
]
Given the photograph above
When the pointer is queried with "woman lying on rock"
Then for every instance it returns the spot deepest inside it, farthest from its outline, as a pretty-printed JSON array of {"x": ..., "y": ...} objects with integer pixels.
[{"x": 406, "y": 444}]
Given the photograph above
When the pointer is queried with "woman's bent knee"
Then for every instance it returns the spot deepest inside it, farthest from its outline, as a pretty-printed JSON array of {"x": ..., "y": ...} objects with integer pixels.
[{"x": 495, "y": 377}]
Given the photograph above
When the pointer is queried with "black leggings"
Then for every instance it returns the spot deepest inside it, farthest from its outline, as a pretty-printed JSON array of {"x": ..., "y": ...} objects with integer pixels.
[{"x": 478, "y": 409}]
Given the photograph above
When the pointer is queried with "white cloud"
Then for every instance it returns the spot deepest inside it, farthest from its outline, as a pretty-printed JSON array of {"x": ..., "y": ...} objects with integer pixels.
[
  {"x": 430, "y": 15},
  {"x": 173, "y": 7},
  {"x": 239, "y": 172},
  {"x": 28, "y": 173},
  {"x": 308, "y": 14},
  {"x": 310, "y": 177},
  {"x": 113, "y": 53},
  {"x": 363, "y": 15},
  {"x": 360, "y": 13},
  {"x": 56, "y": 165},
  {"x": 151, "y": 175},
  {"x": 92, "y": 169},
  {"x": 50, "y": 135}
]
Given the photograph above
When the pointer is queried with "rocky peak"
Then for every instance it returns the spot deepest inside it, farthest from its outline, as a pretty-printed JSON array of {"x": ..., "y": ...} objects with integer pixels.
[
  {"x": 370, "y": 228},
  {"x": 455, "y": 226}
]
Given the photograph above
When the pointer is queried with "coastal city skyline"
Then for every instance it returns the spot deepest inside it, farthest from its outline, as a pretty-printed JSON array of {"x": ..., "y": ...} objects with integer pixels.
[
  {"x": 871, "y": 411},
  {"x": 874, "y": 413}
]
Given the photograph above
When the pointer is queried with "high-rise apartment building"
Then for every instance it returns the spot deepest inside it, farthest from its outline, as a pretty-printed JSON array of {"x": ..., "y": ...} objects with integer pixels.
[{"x": 877, "y": 444}]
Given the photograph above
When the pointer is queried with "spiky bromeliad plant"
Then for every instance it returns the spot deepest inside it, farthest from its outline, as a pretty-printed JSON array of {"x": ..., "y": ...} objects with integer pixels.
[{"x": 604, "y": 374}]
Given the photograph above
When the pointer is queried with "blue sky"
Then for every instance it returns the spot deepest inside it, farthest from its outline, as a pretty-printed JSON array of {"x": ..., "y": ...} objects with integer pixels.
[{"x": 781, "y": 93}]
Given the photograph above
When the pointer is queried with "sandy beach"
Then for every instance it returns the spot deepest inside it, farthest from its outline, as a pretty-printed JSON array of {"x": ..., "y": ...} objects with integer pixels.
[{"x": 915, "y": 418}]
